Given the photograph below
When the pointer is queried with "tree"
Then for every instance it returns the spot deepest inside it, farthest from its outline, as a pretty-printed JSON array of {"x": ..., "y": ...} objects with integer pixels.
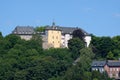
[
  {"x": 78, "y": 34},
  {"x": 75, "y": 45},
  {"x": 116, "y": 53},
  {"x": 4, "y": 46},
  {"x": 81, "y": 71},
  {"x": 86, "y": 57},
  {"x": 116, "y": 39},
  {"x": 13, "y": 39},
  {"x": 40, "y": 29},
  {"x": 110, "y": 56},
  {"x": 99, "y": 76},
  {"x": 20, "y": 75},
  {"x": 1, "y": 35},
  {"x": 102, "y": 45}
]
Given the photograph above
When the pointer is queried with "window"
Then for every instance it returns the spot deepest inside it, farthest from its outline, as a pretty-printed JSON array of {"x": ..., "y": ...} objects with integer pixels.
[
  {"x": 117, "y": 69},
  {"x": 113, "y": 69},
  {"x": 110, "y": 69},
  {"x": 102, "y": 69},
  {"x": 116, "y": 75},
  {"x": 57, "y": 37},
  {"x": 53, "y": 37},
  {"x": 53, "y": 42},
  {"x": 26, "y": 32},
  {"x": 23, "y": 32}
]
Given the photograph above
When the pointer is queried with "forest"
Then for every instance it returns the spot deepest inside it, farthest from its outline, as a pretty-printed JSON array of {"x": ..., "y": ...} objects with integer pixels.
[{"x": 27, "y": 60}]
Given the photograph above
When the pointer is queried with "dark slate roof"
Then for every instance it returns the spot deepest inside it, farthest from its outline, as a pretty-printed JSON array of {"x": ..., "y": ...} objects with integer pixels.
[
  {"x": 66, "y": 30},
  {"x": 98, "y": 63},
  {"x": 23, "y": 30},
  {"x": 112, "y": 63}
]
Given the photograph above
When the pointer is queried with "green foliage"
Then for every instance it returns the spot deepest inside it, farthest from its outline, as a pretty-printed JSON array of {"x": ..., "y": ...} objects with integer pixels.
[
  {"x": 100, "y": 76},
  {"x": 1, "y": 35},
  {"x": 110, "y": 56},
  {"x": 13, "y": 39},
  {"x": 40, "y": 29},
  {"x": 78, "y": 34},
  {"x": 102, "y": 46},
  {"x": 86, "y": 58},
  {"x": 26, "y": 60},
  {"x": 75, "y": 45}
]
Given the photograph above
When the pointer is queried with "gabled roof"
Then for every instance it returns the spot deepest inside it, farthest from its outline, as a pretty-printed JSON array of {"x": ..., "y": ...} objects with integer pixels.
[
  {"x": 23, "y": 30},
  {"x": 113, "y": 63},
  {"x": 98, "y": 63}
]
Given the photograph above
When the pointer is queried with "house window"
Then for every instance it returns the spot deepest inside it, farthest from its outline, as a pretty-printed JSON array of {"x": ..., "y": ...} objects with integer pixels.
[
  {"x": 53, "y": 42},
  {"x": 101, "y": 69}
]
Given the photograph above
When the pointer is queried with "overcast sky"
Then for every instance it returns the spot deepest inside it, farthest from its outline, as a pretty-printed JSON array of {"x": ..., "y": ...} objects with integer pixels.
[{"x": 99, "y": 17}]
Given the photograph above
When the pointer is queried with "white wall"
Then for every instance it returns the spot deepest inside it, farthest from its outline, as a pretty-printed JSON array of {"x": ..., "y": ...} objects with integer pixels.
[
  {"x": 26, "y": 37},
  {"x": 87, "y": 40},
  {"x": 64, "y": 39}
]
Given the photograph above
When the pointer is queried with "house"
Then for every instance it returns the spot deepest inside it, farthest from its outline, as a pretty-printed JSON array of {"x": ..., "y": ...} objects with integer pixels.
[
  {"x": 25, "y": 32},
  {"x": 98, "y": 66},
  {"x": 113, "y": 68}
]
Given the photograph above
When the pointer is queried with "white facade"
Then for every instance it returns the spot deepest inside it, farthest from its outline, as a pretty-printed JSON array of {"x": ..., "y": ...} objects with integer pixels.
[
  {"x": 26, "y": 37},
  {"x": 65, "y": 38},
  {"x": 87, "y": 40}
]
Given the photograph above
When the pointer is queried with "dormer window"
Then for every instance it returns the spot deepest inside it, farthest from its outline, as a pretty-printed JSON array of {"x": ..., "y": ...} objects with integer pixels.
[{"x": 23, "y": 32}]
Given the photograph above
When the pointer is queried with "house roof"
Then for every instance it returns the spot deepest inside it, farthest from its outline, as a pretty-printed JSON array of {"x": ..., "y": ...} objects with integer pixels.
[
  {"x": 98, "y": 63},
  {"x": 113, "y": 63},
  {"x": 23, "y": 30}
]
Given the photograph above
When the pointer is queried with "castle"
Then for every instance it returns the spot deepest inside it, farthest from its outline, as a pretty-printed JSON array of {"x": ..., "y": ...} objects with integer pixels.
[{"x": 53, "y": 36}]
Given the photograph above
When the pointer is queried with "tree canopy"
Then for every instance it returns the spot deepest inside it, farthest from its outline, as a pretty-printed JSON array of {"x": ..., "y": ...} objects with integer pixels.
[{"x": 27, "y": 60}]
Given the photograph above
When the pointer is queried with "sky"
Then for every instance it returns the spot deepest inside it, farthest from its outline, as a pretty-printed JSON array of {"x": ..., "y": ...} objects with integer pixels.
[{"x": 98, "y": 17}]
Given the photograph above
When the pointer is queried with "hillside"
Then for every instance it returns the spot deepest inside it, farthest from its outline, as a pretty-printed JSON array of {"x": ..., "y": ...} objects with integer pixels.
[{"x": 27, "y": 60}]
